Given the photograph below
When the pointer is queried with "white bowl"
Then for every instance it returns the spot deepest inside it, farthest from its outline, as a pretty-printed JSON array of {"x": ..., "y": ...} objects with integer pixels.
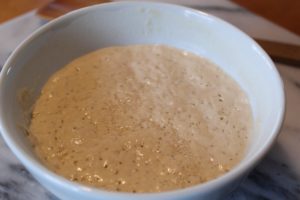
[{"x": 88, "y": 29}]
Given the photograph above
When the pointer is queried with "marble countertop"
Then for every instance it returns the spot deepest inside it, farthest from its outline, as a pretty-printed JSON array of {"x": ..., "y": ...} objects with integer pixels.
[{"x": 276, "y": 177}]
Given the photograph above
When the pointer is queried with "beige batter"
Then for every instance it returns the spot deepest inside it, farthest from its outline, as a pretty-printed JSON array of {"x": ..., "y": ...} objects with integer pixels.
[{"x": 143, "y": 118}]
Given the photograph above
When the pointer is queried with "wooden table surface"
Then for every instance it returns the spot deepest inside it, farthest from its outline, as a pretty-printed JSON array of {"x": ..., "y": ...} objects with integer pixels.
[
  {"x": 12, "y": 8},
  {"x": 283, "y": 12}
]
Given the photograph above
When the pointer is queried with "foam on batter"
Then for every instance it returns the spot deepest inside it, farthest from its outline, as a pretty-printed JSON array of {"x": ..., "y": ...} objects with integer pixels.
[{"x": 142, "y": 118}]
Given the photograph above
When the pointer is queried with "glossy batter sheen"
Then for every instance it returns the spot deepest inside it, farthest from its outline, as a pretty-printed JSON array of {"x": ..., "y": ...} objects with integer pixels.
[{"x": 142, "y": 118}]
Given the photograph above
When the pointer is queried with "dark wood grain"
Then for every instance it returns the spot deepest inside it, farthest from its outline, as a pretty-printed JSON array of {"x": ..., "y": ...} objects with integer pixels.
[
  {"x": 285, "y": 13},
  {"x": 60, "y": 7},
  {"x": 13, "y": 8},
  {"x": 282, "y": 52}
]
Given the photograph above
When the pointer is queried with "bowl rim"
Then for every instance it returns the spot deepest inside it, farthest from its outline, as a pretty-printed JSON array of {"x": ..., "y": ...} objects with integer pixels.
[{"x": 40, "y": 170}]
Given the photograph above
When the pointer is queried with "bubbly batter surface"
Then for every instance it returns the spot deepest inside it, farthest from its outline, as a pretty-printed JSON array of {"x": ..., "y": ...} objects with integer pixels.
[{"x": 142, "y": 118}]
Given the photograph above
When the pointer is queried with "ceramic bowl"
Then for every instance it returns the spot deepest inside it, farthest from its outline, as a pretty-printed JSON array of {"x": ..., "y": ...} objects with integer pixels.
[{"x": 124, "y": 23}]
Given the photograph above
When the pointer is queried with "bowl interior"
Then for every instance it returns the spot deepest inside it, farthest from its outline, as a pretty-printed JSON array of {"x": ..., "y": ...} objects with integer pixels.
[{"x": 118, "y": 24}]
